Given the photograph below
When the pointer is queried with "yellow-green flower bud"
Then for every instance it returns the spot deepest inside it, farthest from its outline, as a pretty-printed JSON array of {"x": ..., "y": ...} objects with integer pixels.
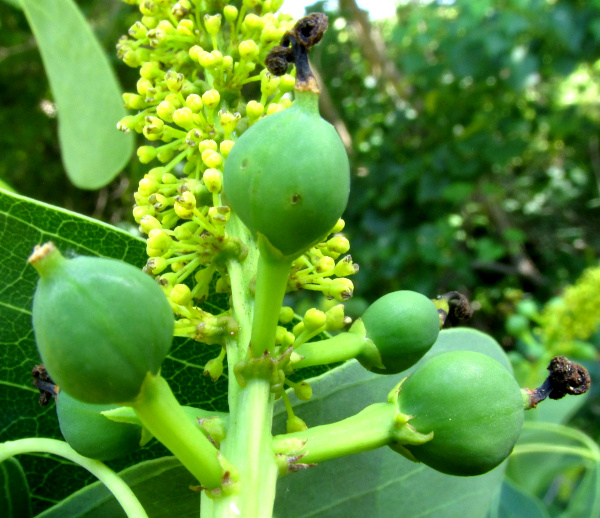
[
  {"x": 185, "y": 27},
  {"x": 345, "y": 267},
  {"x": 212, "y": 158},
  {"x": 212, "y": 24},
  {"x": 181, "y": 295},
  {"x": 148, "y": 186},
  {"x": 174, "y": 81},
  {"x": 159, "y": 201},
  {"x": 159, "y": 240},
  {"x": 225, "y": 147},
  {"x": 219, "y": 215},
  {"x": 184, "y": 118},
  {"x": 196, "y": 52},
  {"x": 251, "y": 3},
  {"x": 274, "y": 108},
  {"x": 194, "y": 102},
  {"x": 126, "y": 124},
  {"x": 325, "y": 265},
  {"x": 214, "y": 368},
  {"x": 181, "y": 8},
  {"x": 142, "y": 211},
  {"x": 295, "y": 424},
  {"x": 207, "y": 144},
  {"x": 148, "y": 222},
  {"x": 186, "y": 230},
  {"x": 169, "y": 179},
  {"x": 286, "y": 315},
  {"x": 338, "y": 244},
  {"x": 314, "y": 319},
  {"x": 134, "y": 101},
  {"x": 213, "y": 180},
  {"x": 336, "y": 318},
  {"x": 340, "y": 289},
  {"x": 182, "y": 211},
  {"x": 211, "y": 98},
  {"x": 248, "y": 50},
  {"x": 231, "y": 13},
  {"x": 146, "y": 154},
  {"x": 153, "y": 129},
  {"x": 151, "y": 70},
  {"x": 174, "y": 100},
  {"x": 165, "y": 155},
  {"x": 149, "y": 8},
  {"x": 287, "y": 340},
  {"x": 268, "y": 83},
  {"x": 143, "y": 85},
  {"x": 254, "y": 110},
  {"x": 187, "y": 200},
  {"x": 253, "y": 22},
  {"x": 270, "y": 34},
  {"x": 303, "y": 391},
  {"x": 155, "y": 265},
  {"x": 287, "y": 83},
  {"x": 138, "y": 30},
  {"x": 150, "y": 21},
  {"x": 228, "y": 121},
  {"x": 211, "y": 60},
  {"x": 339, "y": 226},
  {"x": 165, "y": 111}
]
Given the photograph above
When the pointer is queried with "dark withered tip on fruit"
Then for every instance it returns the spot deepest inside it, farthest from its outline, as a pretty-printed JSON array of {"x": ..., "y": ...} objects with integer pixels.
[
  {"x": 565, "y": 378},
  {"x": 294, "y": 48},
  {"x": 43, "y": 382},
  {"x": 459, "y": 305}
]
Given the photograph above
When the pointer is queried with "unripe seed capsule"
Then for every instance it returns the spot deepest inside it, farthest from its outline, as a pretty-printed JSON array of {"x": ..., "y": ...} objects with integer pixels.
[{"x": 101, "y": 325}]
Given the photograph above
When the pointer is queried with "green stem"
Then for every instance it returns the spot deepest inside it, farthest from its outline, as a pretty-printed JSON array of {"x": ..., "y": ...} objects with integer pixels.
[
  {"x": 369, "y": 429},
  {"x": 340, "y": 348},
  {"x": 248, "y": 447},
  {"x": 271, "y": 284},
  {"x": 115, "y": 484},
  {"x": 159, "y": 411},
  {"x": 555, "y": 450}
]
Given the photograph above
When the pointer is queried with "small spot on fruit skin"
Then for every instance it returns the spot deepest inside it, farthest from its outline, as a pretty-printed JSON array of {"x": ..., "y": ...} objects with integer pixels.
[
  {"x": 295, "y": 199},
  {"x": 244, "y": 163}
]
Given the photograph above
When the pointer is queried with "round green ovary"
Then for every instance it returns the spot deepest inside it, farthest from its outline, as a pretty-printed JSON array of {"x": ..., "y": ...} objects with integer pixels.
[
  {"x": 472, "y": 404},
  {"x": 403, "y": 325},
  {"x": 91, "y": 434},
  {"x": 288, "y": 178},
  {"x": 101, "y": 325}
]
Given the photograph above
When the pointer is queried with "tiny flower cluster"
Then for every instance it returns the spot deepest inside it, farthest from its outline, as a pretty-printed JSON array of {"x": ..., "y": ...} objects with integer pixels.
[{"x": 195, "y": 57}]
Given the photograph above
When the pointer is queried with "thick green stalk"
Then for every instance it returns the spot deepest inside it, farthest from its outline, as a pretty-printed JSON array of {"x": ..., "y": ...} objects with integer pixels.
[
  {"x": 271, "y": 284},
  {"x": 369, "y": 429},
  {"x": 341, "y": 347},
  {"x": 159, "y": 411}
]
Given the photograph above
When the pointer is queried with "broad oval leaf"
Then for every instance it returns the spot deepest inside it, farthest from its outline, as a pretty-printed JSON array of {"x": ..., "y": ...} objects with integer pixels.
[
  {"x": 14, "y": 491},
  {"x": 85, "y": 90}
]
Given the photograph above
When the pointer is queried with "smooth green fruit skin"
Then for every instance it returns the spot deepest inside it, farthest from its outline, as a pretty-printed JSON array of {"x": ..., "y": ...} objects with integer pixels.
[
  {"x": 288, "y": 178},
  {"x": 403, "y": 325},
  {"x": 472, "y": 404},
  {"x": 91, "y": 434},
  {"x": 100, "y": 326}
]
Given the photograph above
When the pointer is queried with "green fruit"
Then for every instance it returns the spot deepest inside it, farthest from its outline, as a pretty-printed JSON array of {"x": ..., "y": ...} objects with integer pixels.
[
  {"x": 101, "y": 325},
  {"x": 403, "y": 325},
  {"x": 288, "y": 177},
  {"x": 91, "y": 434},
  {"x": 472, "y": 404}
]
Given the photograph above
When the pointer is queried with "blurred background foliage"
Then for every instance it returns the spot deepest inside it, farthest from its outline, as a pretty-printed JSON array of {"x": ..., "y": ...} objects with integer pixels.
[{"x": 473, "y": 132}]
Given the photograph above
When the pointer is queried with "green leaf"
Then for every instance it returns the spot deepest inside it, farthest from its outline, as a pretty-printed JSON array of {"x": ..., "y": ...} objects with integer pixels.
[
  {"x": 15, "y": 3},
  {"x": 381, "y": 483},
  {"x": 14, "y": 493},
  {"x": 545, "y": 452},
  {"x": 162, "y": 486},
  {"x": 23, "y": 224},
  {"x": 86, "y": 92},
  {"x": 515, "y": 503}
]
